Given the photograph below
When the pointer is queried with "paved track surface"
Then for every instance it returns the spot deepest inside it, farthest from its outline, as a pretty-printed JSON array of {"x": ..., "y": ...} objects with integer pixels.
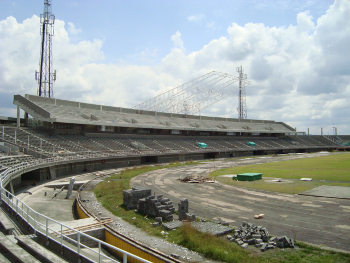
[{"x": 317, "y": 220}]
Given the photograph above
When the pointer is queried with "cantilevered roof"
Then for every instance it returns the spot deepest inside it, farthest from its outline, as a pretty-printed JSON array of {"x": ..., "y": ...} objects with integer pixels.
[{"x": 65, "y": 111}]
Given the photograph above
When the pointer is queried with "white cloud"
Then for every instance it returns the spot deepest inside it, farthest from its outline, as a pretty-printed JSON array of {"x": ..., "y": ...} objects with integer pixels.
[
  {"x": 177, "y": 40},
  {"x": 304, "y": 22},
  {"x": 72, "y": 29},
  {"x": 299, "y": 74},
  {"x": 198, "y": 18}
]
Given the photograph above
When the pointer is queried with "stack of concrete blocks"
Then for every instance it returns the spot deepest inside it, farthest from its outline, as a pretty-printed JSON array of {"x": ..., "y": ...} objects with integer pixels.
[
  {"x": 132, "y": 196},
  {"x": 156, "y": 206},
  {"x": 183, "y": 211},
  {"x": 250, "y": 234}
]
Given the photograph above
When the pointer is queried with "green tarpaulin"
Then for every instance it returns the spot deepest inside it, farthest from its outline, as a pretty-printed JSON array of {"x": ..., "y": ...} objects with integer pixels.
[
  {"x": 252, "y": 143},
  {"x": 249, "y": 176},
  {"x": 202, "y": 144}
]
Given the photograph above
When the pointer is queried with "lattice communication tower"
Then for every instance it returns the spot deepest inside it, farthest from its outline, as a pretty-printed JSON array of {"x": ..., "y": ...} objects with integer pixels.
[
  {"x": 192, "y": 96},
  {"x": 46, "y": 76},
  {"x": 242, "y": 83}
]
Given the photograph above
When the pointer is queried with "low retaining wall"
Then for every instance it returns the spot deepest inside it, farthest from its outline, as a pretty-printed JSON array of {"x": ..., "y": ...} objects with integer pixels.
[{"x": 125, "y": 243}]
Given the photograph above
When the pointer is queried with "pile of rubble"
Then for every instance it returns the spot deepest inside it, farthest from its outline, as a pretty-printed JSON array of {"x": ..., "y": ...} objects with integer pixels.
[
  {"x": 250, "y": 234},
  {"x": 147, "y": 204},
  {"x": 157, "y": 207},
  {"x": 133, "y": 195},
  {"x": 196, "y": 179}
]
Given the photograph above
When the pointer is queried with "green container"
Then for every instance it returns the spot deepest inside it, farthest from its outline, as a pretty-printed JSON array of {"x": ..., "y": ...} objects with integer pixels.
[
  {"x": 251, "y": 143},
  {"x": 249, "y": 176}
]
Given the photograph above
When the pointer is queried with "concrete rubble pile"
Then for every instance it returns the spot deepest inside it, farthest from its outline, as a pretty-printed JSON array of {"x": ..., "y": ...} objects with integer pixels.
[
  {"x": 196, "y": 179},
  {"x": 156, "y": 206},
  {"x": 132, "y": 196},
  {"x": 250, "y": 234}
]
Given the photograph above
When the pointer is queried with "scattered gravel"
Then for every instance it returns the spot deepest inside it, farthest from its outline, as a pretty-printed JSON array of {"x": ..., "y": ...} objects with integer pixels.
[{"x": 123, "y": 227}]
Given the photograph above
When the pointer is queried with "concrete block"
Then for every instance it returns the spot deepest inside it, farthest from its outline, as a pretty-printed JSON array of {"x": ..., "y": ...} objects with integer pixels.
[
  {"x": 263, "y": 247},
  {"x": 183, "y": 209},
  {"x": 132, "y": 196},
  {"x": 244, "y": 245}
]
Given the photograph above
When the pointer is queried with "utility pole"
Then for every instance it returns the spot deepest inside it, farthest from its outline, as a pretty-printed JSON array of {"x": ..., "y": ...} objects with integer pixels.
[{"x": 46, "y": 76}]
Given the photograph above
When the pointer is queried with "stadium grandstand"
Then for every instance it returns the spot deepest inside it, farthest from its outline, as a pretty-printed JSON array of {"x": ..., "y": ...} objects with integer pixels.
[
  {"x": 61, "y": 127},
  {"x": 60, "y": 138}
]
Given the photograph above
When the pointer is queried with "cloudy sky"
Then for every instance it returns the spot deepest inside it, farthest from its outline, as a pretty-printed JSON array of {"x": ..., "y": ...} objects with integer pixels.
[{"x": 295, "y": 53}]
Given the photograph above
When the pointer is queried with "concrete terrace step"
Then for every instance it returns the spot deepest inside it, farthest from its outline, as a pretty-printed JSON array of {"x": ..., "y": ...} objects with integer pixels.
[
  {"x": 15, "y": 253},
  {"x": 40, "y": 252},
  {"x": 4, "y": 259},
  {"x": 88, "y": 253},
  {"x": 94, "y": 256},
  {"x": 5, "y": 223}
]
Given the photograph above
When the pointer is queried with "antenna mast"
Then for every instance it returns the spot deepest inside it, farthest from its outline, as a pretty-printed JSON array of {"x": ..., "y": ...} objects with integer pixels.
[
  {"x": 46, "y": 76},
  {"x": 242, "y": 83}
]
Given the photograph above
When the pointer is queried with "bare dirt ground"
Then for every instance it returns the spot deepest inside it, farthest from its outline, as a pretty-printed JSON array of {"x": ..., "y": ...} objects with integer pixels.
[{"x": 317, "y": 220}]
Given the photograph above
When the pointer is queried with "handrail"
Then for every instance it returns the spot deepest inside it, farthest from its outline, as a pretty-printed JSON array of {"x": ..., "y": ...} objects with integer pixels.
[{"x": 34, "y": 219}]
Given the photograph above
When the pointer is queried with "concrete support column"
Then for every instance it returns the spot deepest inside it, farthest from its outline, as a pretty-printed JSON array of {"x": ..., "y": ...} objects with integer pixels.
[
  {"x": 26, "y": 117},
  {"x": 11, "y": 188},
  {"x": 70, "y": 187},
  {"x": 52, "y": 173},
  {"x": 18, "y": 117}
]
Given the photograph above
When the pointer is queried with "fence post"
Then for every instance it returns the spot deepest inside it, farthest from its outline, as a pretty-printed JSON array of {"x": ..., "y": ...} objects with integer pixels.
[
  {"x": 78, "y": 238},
  {"x": 61, "y": 235},
  {"x": 47, "y": 227},
  {"x": 3, "y": 132},
  {"x": 15, "y": 136},
  {"x": 28, "y": 145},
  {"x": 125, "y": 258},
  {"x": 99, "y": 252},
  {"x": 36, "y": 221}
]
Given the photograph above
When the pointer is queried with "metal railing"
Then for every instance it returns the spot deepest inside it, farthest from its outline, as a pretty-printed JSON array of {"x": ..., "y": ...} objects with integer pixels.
[
  {"x": 52, "y": 228},
  {"x": 24, "y": 140}
]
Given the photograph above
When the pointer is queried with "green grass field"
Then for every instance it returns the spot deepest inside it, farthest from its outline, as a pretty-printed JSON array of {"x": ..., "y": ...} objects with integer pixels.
[
  {"x": 109, "y": 193},
  {"x": 325, "y": 170}
]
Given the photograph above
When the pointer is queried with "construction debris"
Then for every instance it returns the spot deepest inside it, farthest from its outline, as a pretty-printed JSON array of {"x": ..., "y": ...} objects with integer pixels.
[
  {"x": 132, "y": 196},
  {"x": 156, "y": 206},
  {"x": 259, "y": 216},
  {"x": 212, "y": 228},
  {"x": 277, "y": 180},
  {"x": 196, "y": 179},
  {"x": 250, "y": 234},
  {"x": 306, "y": 179}
]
